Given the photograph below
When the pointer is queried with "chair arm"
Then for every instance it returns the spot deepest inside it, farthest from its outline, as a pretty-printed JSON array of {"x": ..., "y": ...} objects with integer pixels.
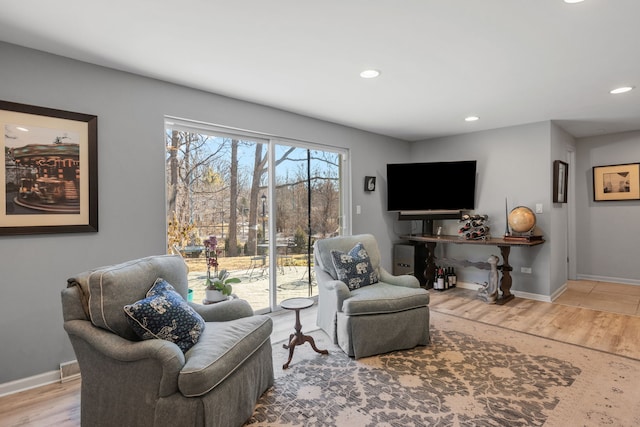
[
  {"x": 338, "y": 290},
  {"x": 166, "y": 353},
  {"x": 223, "y": 311},
  {"x": 405, "y": 280}
]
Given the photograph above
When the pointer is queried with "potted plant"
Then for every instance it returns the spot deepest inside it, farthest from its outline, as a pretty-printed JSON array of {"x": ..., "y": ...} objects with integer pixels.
[{"x": 219, "y": 286}]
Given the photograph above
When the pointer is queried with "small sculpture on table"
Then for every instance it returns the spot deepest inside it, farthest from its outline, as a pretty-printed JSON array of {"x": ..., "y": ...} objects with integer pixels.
[
  {"x": 489, "y": 291},
  {"x": 473, "y": 227}
]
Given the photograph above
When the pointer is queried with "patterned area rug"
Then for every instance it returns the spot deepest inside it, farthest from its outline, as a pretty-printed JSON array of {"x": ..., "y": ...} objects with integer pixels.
[{"x": 471, "y": 374}]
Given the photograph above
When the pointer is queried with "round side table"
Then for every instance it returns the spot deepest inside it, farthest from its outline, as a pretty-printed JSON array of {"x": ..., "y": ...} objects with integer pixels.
[{"x": 298, "y": 338}]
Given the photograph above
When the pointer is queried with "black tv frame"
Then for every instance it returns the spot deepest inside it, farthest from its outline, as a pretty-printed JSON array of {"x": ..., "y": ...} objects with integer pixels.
[{"x": 405, "y": 179}]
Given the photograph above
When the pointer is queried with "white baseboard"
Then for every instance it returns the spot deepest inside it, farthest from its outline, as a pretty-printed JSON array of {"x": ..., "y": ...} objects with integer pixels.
[
  {"x": 559, "y": 292},
  {"x": 519, "y": 294},
  {"x": 608, "y": 279},
  {"x": 527, "y": 295},
  {"x": 68, "y": 371},
  {"x": 465, "y": 285},
  {"x": 28, "y": 383}
]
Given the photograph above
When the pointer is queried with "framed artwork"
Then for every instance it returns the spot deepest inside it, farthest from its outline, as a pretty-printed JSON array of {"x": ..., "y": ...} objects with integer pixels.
[
  {"x": 616, "y": 182},
  {"x": 369, "y": 183},
  {"x": 560, "y": 177},
  {"x": 49, "y": 179}
]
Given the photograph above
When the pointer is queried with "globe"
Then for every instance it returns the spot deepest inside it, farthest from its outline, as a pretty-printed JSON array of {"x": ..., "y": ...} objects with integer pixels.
[{"x": 522, "y": 219}]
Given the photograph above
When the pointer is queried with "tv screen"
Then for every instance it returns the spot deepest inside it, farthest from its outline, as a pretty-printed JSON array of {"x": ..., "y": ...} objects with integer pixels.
[{"x": 436, "y": 186}]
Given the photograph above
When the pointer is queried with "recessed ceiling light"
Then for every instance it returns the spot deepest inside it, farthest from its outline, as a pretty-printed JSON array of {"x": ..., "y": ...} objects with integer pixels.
[
  {"x": 369, "y": 74},
  {"x": 573, "y": 1},
  {"x": 622, "y": 89},
  {"x": 471, "y": 118}
]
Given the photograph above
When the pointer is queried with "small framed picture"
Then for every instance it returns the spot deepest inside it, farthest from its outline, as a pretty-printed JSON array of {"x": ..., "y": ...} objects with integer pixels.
[
  {"x": 560, "y": 176},
  {"x": 616, "y": 182},
  {"x": 369, "y": 183}
]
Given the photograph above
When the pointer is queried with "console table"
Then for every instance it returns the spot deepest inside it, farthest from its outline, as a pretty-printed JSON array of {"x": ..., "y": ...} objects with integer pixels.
[{"x": 505, "y": 249}]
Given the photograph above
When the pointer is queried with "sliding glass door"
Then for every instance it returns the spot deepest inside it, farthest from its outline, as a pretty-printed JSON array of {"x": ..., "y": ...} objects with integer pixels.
[
  {"x": 307, "y": 193},
  {"x": 228, "y": 209}
]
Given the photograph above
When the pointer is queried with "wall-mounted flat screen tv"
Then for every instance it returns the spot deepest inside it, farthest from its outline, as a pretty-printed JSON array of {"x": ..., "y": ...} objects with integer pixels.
[{"x": 435, "y": 186}]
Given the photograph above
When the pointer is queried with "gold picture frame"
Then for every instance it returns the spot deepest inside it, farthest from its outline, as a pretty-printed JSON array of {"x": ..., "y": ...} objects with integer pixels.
[
  {"x": 616, "y": 182},
  {"x": 50, "y": 176}
]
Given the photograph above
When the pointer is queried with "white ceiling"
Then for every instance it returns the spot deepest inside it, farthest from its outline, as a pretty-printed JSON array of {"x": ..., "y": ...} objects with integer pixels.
[{"x": 509, "y": 62}]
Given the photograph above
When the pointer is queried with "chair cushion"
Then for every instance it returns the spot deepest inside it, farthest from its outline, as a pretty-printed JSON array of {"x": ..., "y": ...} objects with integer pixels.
[
  {"x": 382, "y": 298},
  {"x": 164, "y": 314},
  {"x": 354, "y": 267},
  {"x": 223, "y": 347},
  {"x": 106, "y": 290}
]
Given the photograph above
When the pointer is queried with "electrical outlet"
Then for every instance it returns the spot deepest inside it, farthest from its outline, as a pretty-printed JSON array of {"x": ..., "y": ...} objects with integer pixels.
[
  {"x": 525, "y": 270},
  {"x": 538, "y": 207}
]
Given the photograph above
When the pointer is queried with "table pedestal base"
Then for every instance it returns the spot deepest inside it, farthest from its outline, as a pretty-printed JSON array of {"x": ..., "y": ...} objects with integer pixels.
[
  {"x": 503, "y": 300},
  {"x": 298, "y": 339}
]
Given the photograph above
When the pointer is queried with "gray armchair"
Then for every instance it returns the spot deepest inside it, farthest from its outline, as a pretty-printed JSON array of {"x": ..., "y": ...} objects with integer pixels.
[
  {"x": 127, "y": 381},
  {"x": 390, "y": 314}
]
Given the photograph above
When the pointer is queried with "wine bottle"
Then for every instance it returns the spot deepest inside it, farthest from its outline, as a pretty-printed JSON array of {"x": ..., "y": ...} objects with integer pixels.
[{"x": 441, "y": 280}]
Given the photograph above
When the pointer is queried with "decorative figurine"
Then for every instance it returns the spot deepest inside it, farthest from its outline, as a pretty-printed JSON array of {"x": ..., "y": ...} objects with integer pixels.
[{"x": 489, "y": 291}]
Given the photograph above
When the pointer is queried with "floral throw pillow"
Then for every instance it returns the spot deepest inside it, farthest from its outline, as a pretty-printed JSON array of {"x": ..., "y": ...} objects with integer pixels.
[
  {"x": 164, "y": 314},
  {"x": 354, "y": 267}
]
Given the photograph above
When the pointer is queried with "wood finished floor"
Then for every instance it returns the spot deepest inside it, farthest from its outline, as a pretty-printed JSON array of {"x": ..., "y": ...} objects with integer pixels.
[
  {"x": 582, "y": 318},
  {"x": 604, "y": 296},
  {"x": 579, "y": 317}
]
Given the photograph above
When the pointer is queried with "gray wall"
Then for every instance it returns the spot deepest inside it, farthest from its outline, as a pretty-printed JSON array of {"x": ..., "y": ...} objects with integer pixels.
[
  {"x": 562, "y": 144},
  {"x": 513, "y": 163},
  {"x": 517, "y": 163},
  {"x": 131, "y": 112},
  {"x": 607, "y": 233}
]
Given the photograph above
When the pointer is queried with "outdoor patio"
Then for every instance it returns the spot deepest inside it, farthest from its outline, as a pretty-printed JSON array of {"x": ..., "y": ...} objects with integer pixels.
[{"x": 292, "y": 277}]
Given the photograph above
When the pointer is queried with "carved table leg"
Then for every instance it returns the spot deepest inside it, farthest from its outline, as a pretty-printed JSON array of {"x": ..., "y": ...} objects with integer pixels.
[
  {"x": 505, "y": 282},
  {"x": 293, "y": 342},
  {"x": 298, "y": 339}
]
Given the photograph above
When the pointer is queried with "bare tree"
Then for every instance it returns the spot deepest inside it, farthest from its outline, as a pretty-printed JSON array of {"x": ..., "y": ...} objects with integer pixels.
[
  {"x": 233, "y": 201},
  {"x": 173, "y": 171},
  {"x": 324, "y": 214},
  {"x": 188, "y": 159},
  {"x": 259, "y": 162},
  {"x": 206, "y": 179}
]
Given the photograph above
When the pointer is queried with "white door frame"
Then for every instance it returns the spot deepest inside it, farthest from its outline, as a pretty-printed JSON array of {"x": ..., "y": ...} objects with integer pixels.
[{"x": 571, "y": 217}]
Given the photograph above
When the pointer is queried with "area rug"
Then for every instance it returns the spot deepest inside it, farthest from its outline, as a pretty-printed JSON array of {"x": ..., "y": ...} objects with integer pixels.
[{"x": 472, "y": 374}]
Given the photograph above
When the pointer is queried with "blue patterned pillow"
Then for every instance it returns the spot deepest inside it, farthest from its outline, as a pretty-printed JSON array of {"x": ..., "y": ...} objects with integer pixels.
[
  {"x": 164, "y": 314},
  {"x": 354, "y": 267}
]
